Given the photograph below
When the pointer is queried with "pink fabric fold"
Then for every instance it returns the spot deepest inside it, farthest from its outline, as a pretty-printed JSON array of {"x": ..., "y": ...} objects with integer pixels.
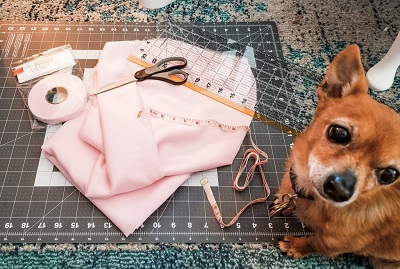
[{"x": 129, "y": 165}]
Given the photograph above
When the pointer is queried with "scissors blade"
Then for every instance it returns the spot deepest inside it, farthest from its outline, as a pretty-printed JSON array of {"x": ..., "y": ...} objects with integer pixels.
[{"x": 116, "y": 85}]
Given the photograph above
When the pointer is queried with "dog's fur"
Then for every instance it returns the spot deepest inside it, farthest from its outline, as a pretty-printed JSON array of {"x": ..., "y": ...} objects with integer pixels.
[{"x": 368, "y": 223}]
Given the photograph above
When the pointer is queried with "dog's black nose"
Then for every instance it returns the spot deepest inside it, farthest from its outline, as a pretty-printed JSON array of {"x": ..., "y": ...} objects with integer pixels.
[{"x": 340, "y": 187}]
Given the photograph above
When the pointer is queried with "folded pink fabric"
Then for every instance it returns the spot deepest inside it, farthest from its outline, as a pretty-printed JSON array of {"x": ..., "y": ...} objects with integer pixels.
[{"x": 129, "y": 165}]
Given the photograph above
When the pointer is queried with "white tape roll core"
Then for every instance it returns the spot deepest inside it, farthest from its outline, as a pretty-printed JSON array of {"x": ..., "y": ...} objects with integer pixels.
[{"x": 57, "y": 98}]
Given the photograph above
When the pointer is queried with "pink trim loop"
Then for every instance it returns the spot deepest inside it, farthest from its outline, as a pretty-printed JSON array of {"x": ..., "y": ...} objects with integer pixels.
[{"x": 254, "y": 153}]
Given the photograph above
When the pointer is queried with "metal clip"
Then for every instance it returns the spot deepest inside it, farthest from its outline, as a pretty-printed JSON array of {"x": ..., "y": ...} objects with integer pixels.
[
  {"x": 288, "y": 202},
  {"x": 204, "y": 181}
]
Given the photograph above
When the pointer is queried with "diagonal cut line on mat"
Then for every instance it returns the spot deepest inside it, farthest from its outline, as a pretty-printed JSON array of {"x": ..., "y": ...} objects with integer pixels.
[
  {"x": 45, "y": 215},
  {"x": 15, "y": 139},
  {"x": 159, "y": 217}
]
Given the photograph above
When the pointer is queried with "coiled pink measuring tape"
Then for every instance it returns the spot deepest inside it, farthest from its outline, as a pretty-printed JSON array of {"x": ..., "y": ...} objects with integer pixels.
[{"x": 254, "y": 153}]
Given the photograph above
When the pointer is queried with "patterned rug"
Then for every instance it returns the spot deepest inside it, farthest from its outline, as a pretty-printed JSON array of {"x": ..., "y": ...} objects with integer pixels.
[
  {"x": 311, "y": 33},
  {"x": 226, "y": 256}
]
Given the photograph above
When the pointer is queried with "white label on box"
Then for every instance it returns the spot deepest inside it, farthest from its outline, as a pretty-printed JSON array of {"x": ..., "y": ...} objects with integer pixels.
[{"x": 44, "y": 65}]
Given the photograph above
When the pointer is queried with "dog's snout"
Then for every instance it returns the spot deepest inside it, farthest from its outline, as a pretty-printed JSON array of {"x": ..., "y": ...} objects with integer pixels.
[{"x": 340, "y": 187}]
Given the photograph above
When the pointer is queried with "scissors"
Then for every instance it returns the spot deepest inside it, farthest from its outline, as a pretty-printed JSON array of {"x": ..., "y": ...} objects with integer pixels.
[{"x": 160, "y": 71}]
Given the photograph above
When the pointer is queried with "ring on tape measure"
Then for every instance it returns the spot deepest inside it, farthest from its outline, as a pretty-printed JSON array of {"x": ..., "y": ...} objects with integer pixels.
[{"x": 288, "y": 203}]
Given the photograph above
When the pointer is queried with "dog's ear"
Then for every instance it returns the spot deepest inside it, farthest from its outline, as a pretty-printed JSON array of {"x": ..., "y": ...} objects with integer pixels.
[{"x": 345, "y": 75}]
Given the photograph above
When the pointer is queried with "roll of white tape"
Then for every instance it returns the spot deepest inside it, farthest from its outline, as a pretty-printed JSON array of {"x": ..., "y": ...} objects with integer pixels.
[{"x": 57, "y": 98}]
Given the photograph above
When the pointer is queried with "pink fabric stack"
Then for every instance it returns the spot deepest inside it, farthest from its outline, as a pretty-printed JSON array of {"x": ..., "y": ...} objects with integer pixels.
[{"x": 129, "y": 165}]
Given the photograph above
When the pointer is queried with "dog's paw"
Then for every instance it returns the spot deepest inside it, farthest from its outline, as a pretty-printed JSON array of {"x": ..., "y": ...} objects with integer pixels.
[{"x": 293, "y": 246}]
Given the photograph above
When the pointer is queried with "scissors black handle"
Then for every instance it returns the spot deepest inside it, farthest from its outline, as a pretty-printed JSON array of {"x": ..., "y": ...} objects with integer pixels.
[{"x": 161, "y": 71}]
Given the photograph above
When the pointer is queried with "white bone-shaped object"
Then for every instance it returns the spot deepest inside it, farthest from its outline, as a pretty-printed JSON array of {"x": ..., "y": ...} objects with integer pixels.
[
  {"x": 381, "y": 76},
  {"x": 153, "y": 4}
]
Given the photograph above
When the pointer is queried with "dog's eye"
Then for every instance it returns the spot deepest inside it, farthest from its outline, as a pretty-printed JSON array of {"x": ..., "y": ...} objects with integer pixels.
[
  {"x": 339, "y": 134},
  {"x": 387, "y": 175}
]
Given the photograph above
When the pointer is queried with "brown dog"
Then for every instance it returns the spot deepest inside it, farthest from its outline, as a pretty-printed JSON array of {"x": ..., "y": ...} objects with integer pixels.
[{"x": 345, "y": 171}]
